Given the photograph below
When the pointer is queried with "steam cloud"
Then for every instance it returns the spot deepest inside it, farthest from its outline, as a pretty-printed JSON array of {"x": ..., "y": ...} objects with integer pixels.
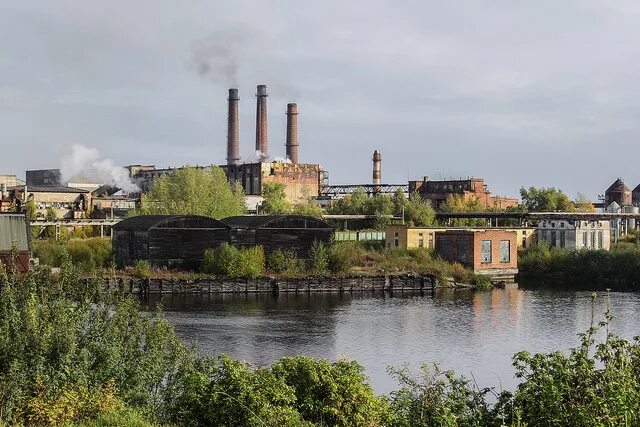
[{"x": 84, "y": 158}]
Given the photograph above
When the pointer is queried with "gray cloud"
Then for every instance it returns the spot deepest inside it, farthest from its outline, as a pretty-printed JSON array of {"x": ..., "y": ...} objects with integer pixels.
[{"x": 521, "y": 93}]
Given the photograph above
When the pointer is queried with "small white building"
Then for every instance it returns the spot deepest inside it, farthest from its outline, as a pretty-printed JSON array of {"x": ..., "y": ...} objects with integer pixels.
[{"x": 575, "y": 234}]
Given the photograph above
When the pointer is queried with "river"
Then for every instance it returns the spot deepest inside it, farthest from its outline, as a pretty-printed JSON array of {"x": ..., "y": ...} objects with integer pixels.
[{"x": 473, "y": 333}]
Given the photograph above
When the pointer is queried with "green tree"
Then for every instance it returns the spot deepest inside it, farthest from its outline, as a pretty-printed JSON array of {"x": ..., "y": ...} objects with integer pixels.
[
  {"x": 193, "y": 191},
  {"x": 545, "y": 200},
  {"x": 275, "y": 199},
  {"x": 583, "y": 204},
  {"x": 308, "y": 206},
  {"x": 418, "y": 212},
  {"x": 461, "y": 204}
]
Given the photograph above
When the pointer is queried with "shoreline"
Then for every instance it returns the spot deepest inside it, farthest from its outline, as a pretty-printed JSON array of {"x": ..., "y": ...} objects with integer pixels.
[{"x": 275, "y": 285}]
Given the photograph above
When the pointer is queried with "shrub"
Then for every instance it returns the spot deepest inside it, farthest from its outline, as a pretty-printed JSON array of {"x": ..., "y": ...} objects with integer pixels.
[
  {"x": 225, "y": 392},
  {"x": 142, "y": 269},
  {"x": 319, "y": 257},
  {"x": 68, "y": 357},
  {"x": 344, "y": 255},
  {"x": 250, "y": 262},
  {"x": 284, "y": 261},
  {"x": 229, "y": 261},
  {"x": 332, "y": 394}
]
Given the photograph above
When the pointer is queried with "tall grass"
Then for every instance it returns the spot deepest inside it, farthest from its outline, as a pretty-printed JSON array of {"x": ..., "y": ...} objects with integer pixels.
[{"x": 88, "y": 255}]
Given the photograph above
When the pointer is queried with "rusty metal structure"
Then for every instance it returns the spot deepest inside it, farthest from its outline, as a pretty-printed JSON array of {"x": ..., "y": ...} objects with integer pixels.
[
  {"x": 262, "y": 142},
  {"x": 233, "y": 133},
  {"x": 377, "y": 168},
  {"x": 292, "y": 133}
]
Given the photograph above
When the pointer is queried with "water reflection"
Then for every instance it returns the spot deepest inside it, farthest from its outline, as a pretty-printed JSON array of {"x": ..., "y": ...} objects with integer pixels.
[{"x": 472, "y": 333}]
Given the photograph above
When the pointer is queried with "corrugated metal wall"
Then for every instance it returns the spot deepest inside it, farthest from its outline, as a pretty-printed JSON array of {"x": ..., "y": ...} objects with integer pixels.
[{"x": 13, "y": 232}]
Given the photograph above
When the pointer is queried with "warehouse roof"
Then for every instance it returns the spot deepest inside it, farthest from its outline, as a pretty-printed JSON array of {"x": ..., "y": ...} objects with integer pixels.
[
  {"x": 275, "y": 221},
  {"x": 618, "y": 185},
  {"x": 146, "y": 222}
]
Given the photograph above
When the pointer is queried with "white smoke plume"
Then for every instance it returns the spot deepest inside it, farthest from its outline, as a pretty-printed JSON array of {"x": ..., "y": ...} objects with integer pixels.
[
  {"x": 84, "y": 158},
  {"x": 281, "y": 160}
]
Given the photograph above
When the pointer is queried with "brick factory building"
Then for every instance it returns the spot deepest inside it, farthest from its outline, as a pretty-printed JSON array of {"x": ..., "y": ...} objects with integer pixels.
[
  {"x": 403, "y": 236},
  {"x": 438, "y": 192},
  {"x": 490, "y": 252},
  {"x": 618, "y": 192}
]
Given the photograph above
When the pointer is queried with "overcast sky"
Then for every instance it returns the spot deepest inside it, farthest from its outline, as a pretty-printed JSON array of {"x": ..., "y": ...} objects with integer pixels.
[{"x": 542, "y": 93}]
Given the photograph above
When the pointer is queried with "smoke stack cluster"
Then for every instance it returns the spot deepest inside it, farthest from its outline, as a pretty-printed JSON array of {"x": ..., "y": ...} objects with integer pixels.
[
  {"x": 262, "y": 143},
  {"x": 292, "y": 133},
  {"x": 377, "y": 168},
  {"x": 233, "y": 132}
]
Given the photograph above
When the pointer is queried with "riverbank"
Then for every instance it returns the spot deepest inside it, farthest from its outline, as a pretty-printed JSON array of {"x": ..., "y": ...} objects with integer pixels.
[
  {"x": 275, "y": 285},
  {"x": 74, "y": 355},
  {"x": 617, "y": 269}
]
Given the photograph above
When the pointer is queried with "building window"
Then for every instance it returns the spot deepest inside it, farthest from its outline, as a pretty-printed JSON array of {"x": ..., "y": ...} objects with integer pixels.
[
  {"x": 562, "y": 225},
  {"x": 563, "y": 239},
  {"x": 553, "y": 239},
  {"x": 585, "y": 239},
  {"x": 431, "y": 242},
  {"x": 593, "y": 240},
  {"x": 421, "y": 242},
  {"x": 485, "y": 251},
  {"x": 395, "y": 234},
  {"x": 397, "y": 243},
  {"x": 505, "y": 251},
  {"x": 600, "y": 236}
]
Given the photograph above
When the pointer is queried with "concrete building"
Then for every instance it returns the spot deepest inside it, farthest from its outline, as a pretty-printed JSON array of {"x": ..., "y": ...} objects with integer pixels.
[
  {"x": 10, "y": 181},
  {"x": 403, "y": 236},
  {"x": 438, "y": 192},
  {"x": 491, "y": 252},
  {"x": 618, "y": 192},
  {"x": 575, "y": 234},
  {"x": 66, "y": 202}
]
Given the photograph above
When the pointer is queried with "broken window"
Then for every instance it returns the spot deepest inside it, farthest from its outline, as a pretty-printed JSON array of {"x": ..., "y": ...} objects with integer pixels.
[
  {"x": 485, "y": 251},
  {"x": 505, "y": 251}
]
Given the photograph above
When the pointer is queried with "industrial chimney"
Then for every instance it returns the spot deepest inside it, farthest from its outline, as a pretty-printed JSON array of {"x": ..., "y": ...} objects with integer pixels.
[
  {"x": 262, "y": 144},
  {"x": 292, "y": 133},
  {"x": 233, "y": 141},
  {"x": 377, "y": 168}
]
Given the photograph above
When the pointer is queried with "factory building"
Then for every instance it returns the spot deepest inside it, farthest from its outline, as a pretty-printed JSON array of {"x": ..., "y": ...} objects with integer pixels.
[
  {"x": 403, "y": 236},
  {"x": 175, "y": 241},
  {"x": 300, "y": 179},
  {"x": 618, "y": 192},
  {"x": 438, "y": 192},
  {"x": 279, "y": 232},
  {"x": 575, "y": 234},
  {"x": 490, "y": 252},
  {"x": 65, "y": 202}
]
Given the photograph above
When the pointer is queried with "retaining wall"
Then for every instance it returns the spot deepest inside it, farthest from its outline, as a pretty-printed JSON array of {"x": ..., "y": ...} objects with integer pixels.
[{"x": 273, "y": 285}]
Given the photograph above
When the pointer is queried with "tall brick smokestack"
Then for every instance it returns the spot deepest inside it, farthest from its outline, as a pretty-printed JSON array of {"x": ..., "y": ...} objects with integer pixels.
[
  {"x": 377, "y": 168},
  {"x": 233, "y": 133},
  {"x": 262, "y": 143},
  {"x": 292, "y": 133}
]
